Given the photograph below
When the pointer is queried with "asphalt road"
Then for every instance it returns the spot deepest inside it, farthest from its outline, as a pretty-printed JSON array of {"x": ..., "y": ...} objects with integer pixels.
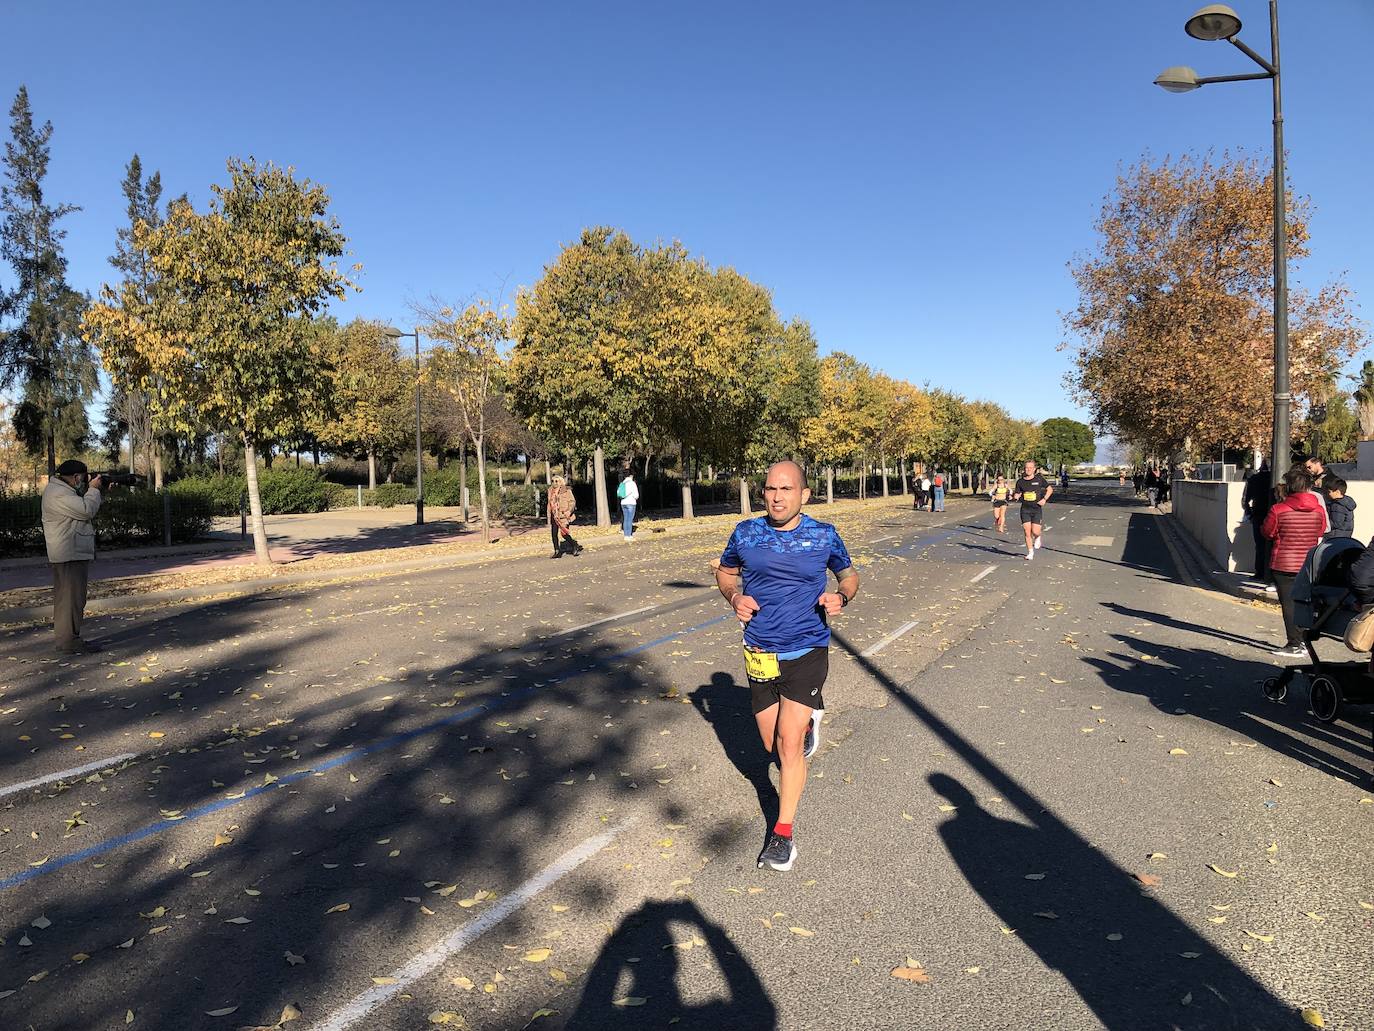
[{"x": 530, "y": 793}]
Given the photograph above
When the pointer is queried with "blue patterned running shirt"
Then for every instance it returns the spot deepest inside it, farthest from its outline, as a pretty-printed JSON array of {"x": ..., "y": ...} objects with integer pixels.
[{"x": 785, "y": 572}]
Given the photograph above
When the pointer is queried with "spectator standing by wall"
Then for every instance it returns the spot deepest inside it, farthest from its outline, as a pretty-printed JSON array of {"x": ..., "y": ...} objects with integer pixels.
[
  {"x": 1257, "y": 500},
  {"x": 69, "y": 505},
  {"x": 1295, "y": 525}
]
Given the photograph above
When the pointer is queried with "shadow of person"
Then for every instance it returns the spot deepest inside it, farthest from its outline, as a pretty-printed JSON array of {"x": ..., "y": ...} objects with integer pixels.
[
  {"x": 1160, "y": 619},
  {"x": 1225, "y": 690},
  {"x": 1133, "y": 962},
  {"x": 724, "y": 704},
  {"x": 645, "y": 959}
]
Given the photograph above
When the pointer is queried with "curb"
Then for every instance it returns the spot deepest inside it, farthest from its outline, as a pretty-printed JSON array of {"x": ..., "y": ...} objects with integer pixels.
[
  {"x": 134, "y": 600},
  {"x": 1197, "y": 565}
]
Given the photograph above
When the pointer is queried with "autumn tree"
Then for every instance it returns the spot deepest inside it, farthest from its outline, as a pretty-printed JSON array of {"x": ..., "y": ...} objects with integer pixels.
[
  {"x": 576, "y": 369},
  {"x": 1067, "y": 442},
  {"x": 833, "y": 436},
  {"x": 372, "y": 387},
  {"x": 470, "y": 365},
  {"x": 224, "y": 342},
  {"x": 1174, "y": 322},
  {"x": 42, "y": 348}
]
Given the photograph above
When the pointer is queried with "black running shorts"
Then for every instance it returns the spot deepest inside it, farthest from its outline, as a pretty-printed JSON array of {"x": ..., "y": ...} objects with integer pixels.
[
  {"x": 1032, "y": 513},
  {"x": 802, "y": 679}
]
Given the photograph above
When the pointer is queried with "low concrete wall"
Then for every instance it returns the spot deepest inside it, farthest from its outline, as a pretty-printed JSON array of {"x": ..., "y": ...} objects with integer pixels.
[{"x": 1212, "y": 513}]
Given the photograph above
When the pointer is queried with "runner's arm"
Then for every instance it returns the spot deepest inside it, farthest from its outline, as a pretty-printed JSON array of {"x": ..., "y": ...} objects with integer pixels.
[
  {"x": 1049, "y": 492},
  {"x": 728, "y": 583},
  {"x": 845, "y": 590}
]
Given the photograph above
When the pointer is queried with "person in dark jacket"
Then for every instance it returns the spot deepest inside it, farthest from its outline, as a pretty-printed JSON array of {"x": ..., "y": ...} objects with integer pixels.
[
  {"x": 1362, "y": 576},
  {"x": 1295, "y": 525},
  {"x": 1257, "y": 499},
  {"x": 1340, "y": 508}
]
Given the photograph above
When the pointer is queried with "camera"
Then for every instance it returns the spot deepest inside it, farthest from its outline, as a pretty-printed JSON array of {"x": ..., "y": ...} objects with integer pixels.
[{"x": 116, "y": 478}]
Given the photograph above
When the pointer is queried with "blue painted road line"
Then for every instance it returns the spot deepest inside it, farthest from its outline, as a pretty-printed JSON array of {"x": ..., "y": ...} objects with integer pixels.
[{"x": 110, "y": 844}]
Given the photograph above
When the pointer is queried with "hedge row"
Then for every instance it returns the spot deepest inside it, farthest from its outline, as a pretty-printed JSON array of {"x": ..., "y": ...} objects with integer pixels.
[{"x": 126, "y": 518}]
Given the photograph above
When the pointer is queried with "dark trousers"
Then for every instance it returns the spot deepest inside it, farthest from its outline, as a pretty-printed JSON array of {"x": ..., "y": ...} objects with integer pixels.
[
  {"x": 562, "y": 539},
  {"x": 1284, "y": 583},
  {"x": 68, "y": 601},
  {"x": 1262, "y": 546}
]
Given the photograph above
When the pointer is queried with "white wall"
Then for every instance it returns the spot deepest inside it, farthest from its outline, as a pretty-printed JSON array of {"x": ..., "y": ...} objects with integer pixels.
[{"x": 1212, "y": 513}]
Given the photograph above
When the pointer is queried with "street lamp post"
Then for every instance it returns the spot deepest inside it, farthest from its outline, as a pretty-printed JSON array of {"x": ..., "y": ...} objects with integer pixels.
[
  {"x": 1214, "y": 22},
  {"x": 396, "y": 334}
]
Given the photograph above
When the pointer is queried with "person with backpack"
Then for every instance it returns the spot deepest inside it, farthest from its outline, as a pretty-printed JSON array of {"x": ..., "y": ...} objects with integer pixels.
[
  {"x": 628, "y": 493},
  {"x": 937, "y": 498}
]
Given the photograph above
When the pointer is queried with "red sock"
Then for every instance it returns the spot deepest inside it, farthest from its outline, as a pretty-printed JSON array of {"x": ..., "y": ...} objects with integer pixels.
[{"x": 785, "y": 829}]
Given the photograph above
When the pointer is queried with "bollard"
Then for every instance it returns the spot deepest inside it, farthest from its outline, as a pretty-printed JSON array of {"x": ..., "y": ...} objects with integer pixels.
[
  {"x": 360, "y": 495},
  {"x": 167, "y": 518}
]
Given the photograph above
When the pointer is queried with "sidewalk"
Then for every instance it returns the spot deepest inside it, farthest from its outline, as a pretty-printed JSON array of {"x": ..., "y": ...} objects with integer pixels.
[
  {"x": 172, "y": 576},
  {"x": 1202, "y": 569}
]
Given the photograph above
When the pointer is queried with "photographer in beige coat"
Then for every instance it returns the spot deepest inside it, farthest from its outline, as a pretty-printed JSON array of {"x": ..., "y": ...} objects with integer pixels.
[{"x": 69, "y": 505}]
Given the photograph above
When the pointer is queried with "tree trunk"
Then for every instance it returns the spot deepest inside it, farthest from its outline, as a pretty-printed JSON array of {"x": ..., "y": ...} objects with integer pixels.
[
  {"x": 529, "y": 477},
  {"x": 863, "y": 479},
  {"x": 482, "y": 487},
  {"x": 315, "y": 454},
  {"x": 250, "y": 469},
  {"x": 500, "y": 480},
  {"x": 548, "y": 473},
  {"x": 904, "y": 482},
  {"x": 685, "y": 480},
  {"x": 157, "y": 468},
  {"x": 372, "y": 470},
  {"x": 603, "y": 508},
  {"x": 884, "y": 461},
  {"x": 220, "y": 451},
  {"x": 829, "y": 484},
  {"x": 744, "y": 509}
]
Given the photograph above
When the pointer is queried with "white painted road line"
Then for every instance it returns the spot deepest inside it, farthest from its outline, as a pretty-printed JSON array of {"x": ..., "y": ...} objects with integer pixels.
[
  {"x": 465, "y": 935},
  {"x": 66, "y": 774},
  {"x": 888, "y": 639},
  {"x": 890, "y": 537},
  {"x": 608, "y": 619},
  {"x": 984, "y": 573}
]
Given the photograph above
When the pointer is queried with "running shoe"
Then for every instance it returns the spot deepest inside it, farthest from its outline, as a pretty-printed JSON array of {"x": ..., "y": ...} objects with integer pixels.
[
  {"x": 813, "y": 734},
  {"x": 1030, "y": 554},
  {"x": 1037, "y": 544},
  {"x": 1297, "y": 651},
  {"x": 780, "y": 853}
]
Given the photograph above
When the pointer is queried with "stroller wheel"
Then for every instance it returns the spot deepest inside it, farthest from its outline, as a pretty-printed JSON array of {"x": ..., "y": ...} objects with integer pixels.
[
  {"x": 1326, "y": 699},
  {"x": 1275, "y": 690}
]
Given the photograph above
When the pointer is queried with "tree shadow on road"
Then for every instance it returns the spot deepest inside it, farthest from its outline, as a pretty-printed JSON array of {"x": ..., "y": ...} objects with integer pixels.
[
  {"x": 724, "y": 704},
  {"x": 658, "y": 951},
  {"x": 1137, "y": 982},
  {"x": 1159, "y": 619},
  {"x": 1226, "y": 691}
]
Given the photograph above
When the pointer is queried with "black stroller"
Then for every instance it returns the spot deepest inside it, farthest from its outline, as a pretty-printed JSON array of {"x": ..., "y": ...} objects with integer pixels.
[{"x": 1324, "y": 607}]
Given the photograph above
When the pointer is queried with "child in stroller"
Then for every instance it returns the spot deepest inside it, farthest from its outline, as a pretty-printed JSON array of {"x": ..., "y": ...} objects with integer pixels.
[{"x": 1335, "y": 580}]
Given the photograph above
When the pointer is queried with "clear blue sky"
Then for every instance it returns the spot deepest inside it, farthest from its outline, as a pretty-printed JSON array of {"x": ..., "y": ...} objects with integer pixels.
[{"x": 911, "y": 177}]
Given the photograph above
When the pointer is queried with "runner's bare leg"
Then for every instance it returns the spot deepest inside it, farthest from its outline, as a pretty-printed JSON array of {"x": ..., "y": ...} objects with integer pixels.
[{"x": 792, "y": 721}]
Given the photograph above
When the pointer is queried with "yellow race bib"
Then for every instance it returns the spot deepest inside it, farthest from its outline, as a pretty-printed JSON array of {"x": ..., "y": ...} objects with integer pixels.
[
  {"x": 1028, "y": 497},
  {"x": 761, "y": 666}
]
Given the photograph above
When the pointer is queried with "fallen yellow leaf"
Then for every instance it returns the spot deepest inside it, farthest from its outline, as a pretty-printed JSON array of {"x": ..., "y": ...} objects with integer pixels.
[
  {"x": 1225, "y": 873},
  {"x": 537, "y": 955},
  {"x": 802, "y": 931},
  {"x": 1312, "y": 1018},
  {"x": 342, "y": 907}
]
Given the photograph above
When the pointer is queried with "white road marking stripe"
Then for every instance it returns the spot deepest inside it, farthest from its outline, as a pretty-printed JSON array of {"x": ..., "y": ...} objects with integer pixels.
[
  {"x": 465, "y": 935},
  {"x": 888, "y": 639},
  {"x": 984, "y": 573},
  {"x": 67, "y": 774},
  {"x": 608, "y": 619},
  {"x": 889, "y": 537}
]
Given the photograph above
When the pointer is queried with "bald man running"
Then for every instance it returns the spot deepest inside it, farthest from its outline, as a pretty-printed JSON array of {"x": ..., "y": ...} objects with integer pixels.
[{"x": 773, "y": 574}]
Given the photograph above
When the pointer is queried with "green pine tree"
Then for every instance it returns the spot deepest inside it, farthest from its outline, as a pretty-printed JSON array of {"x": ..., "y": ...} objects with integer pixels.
[{"x": 40, "y": 344}]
